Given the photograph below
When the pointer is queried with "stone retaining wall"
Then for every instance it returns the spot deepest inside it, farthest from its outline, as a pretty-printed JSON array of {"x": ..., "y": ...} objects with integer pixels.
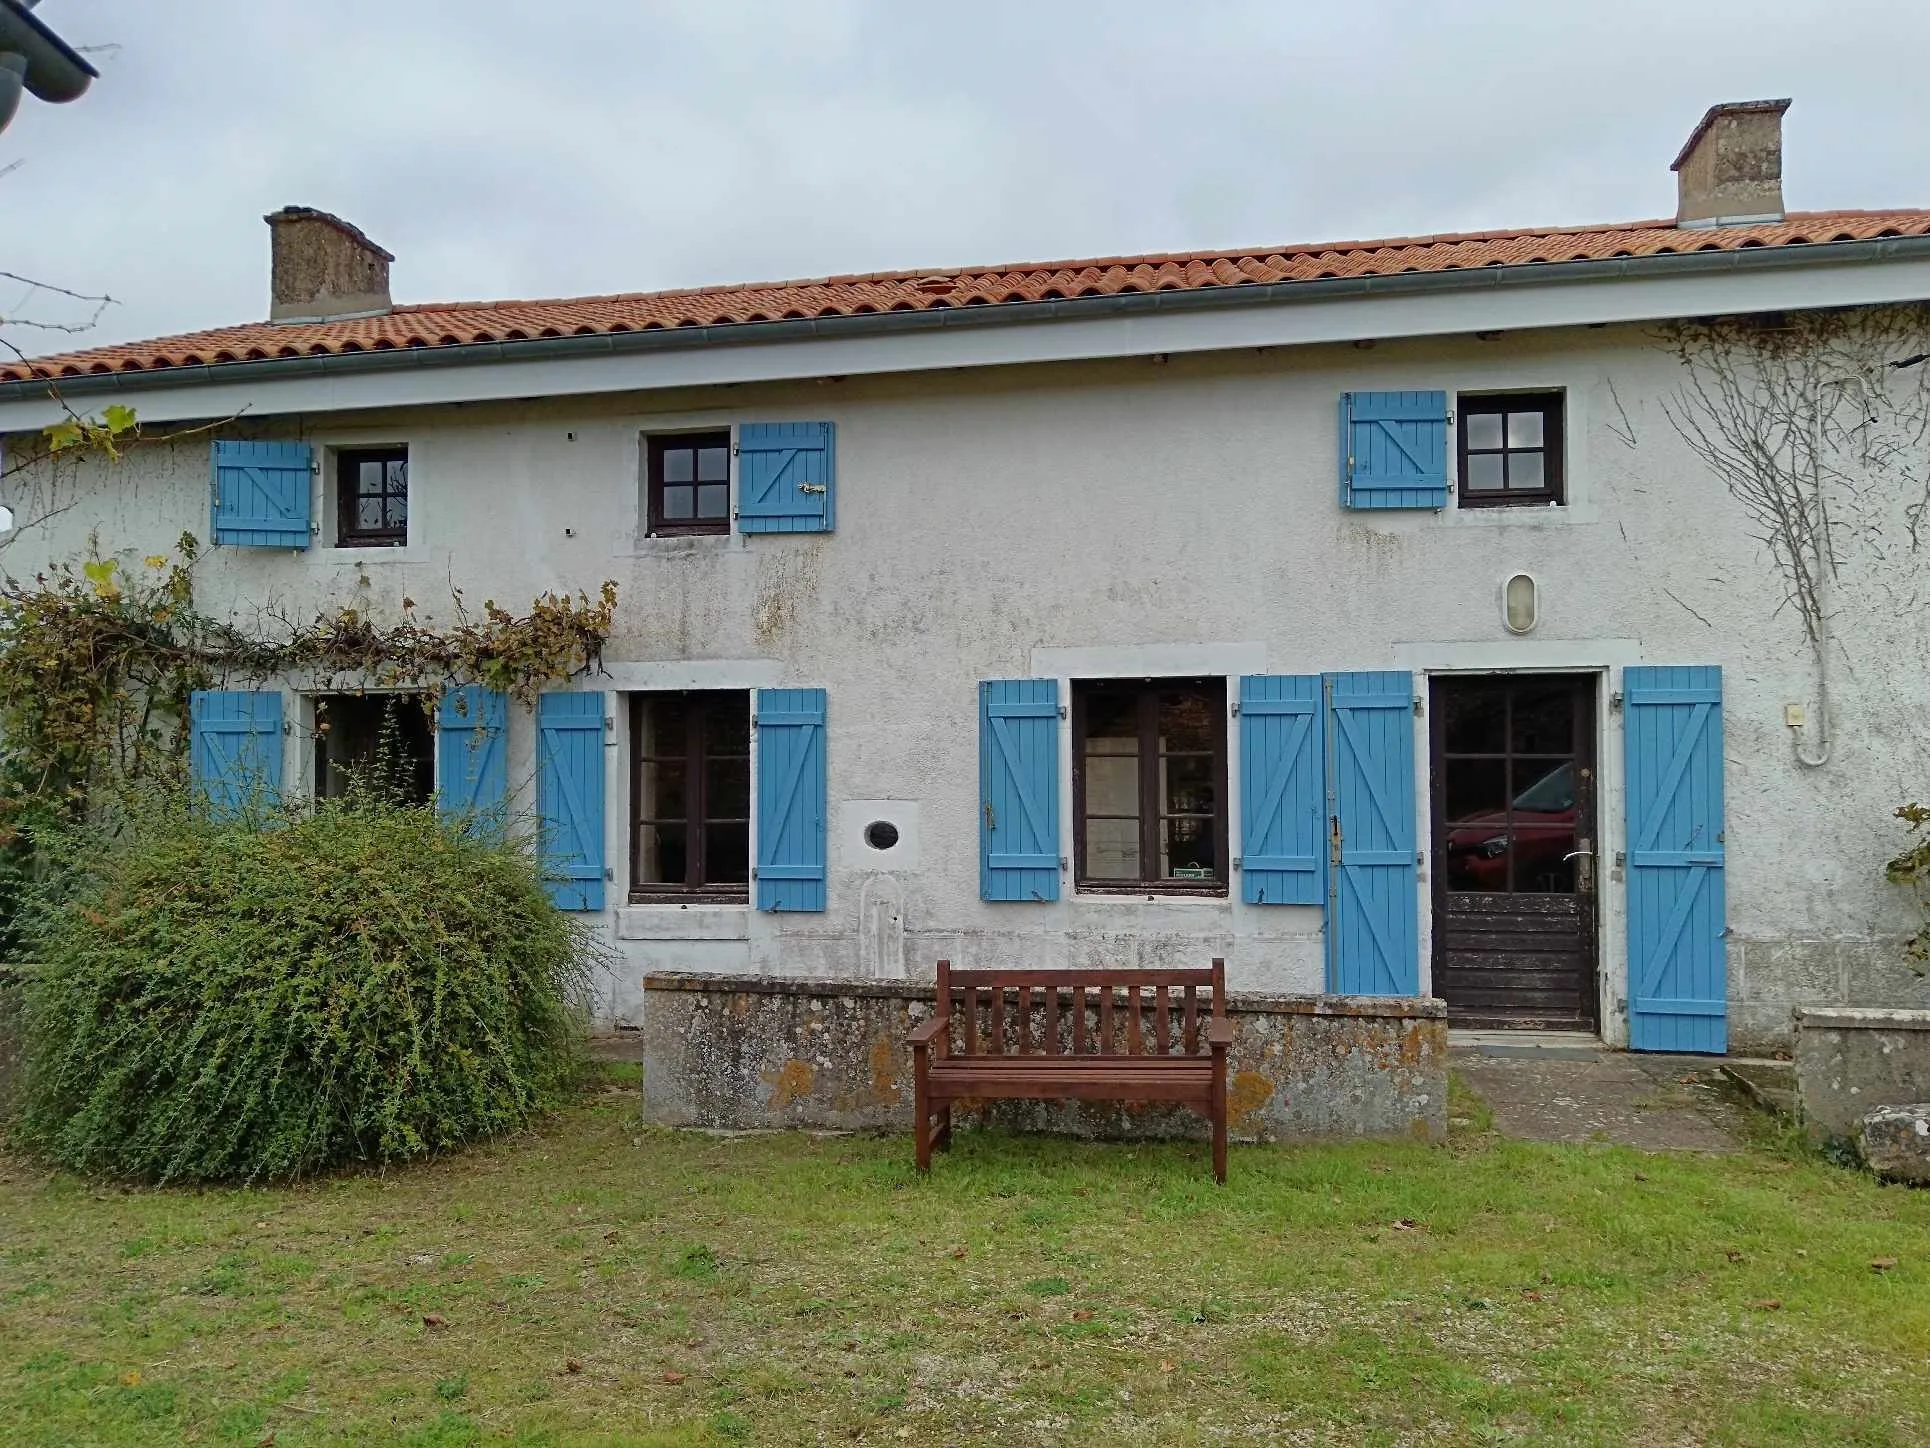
[
  {"x": 1850, "y": 1060},
  {"x": 743, "y": 1052}
]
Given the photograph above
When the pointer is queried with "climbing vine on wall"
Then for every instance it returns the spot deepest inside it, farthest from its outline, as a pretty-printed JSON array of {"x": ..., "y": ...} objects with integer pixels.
[{"x": 98, "y": 660}]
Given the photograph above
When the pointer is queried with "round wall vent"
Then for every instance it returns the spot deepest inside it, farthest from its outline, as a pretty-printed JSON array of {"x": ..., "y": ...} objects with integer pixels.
[{"x": 881, "y": 834}]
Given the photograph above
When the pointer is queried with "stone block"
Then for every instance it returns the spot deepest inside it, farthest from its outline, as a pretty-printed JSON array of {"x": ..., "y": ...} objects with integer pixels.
[
  {"x": 1895, "y": 1142},
  {"x": 1850, "y": 1060}
]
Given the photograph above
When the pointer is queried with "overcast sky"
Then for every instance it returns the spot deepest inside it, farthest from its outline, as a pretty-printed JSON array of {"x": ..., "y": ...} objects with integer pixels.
[{"x": 509, "y": 148}]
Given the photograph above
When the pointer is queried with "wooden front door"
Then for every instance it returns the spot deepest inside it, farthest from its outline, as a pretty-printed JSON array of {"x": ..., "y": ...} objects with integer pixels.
[{"x": 1515, "y": 866}]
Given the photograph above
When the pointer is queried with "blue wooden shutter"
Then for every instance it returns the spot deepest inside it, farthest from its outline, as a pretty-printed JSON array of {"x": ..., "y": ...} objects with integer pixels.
[
  {"x": 261, "y": 494},
  {"x": 1018, "y": 774},
  {"x": 1393, "y": 450},
  {"x": 472, "y": 764},
  {"x": 234, "y": 745},
  {"x": 786, "y": 477},
  {"x": 569, "y": 797},
  {"x": 790, "y": 799},
  {"x": 1677, "y": 971},
  {"x": 1373, "y": 920},
  {"x": 1283, "y": 795}
]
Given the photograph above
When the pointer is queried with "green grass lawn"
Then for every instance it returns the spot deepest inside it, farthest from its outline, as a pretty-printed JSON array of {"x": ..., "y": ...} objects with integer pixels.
[{"x": 597, "y": 1282}]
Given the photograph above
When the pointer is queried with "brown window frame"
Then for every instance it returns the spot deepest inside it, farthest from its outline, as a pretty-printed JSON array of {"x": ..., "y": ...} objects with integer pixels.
[
  {"x": 1149, "y": 821},
  {"x": 695, "y": 887},
  {"x": 654, "y": 447},
  {"x": 1554, "y": 473},
  {"x": 350, "y": 532}
]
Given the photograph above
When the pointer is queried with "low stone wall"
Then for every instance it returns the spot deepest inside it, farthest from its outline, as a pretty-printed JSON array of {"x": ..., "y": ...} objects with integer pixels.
[
  {"x": 1849, "y": 1060},
  {"x": 744, "y": 1052}
]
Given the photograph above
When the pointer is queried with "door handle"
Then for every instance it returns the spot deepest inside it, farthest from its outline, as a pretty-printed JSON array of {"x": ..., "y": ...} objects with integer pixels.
[
  {"x": 1576, "y": 855},
  {"x": 1584, "y": 870}
]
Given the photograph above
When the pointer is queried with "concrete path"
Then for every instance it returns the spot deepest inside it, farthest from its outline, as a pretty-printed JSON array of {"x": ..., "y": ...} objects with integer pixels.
[{"x": 1655, "y": 1103}]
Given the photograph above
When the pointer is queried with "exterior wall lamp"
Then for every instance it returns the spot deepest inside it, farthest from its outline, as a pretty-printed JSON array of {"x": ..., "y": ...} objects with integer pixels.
[{"x": 1520, "y": 603}]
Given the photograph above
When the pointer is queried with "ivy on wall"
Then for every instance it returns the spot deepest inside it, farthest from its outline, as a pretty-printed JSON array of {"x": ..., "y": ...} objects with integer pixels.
[{"x": 97, "y": 663}]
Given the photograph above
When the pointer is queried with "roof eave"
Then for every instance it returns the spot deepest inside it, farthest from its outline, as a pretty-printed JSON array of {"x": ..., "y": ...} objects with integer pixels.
[{"x": 1391, "y": 286}]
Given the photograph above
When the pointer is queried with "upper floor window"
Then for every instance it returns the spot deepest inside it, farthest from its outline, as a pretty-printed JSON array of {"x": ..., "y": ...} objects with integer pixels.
[
  {"x": 1149, "y": 785},
  {"x": 1511, "y": 449},
  {"x": 689, "y": 483},
  {"x": 372, "y": 497}
]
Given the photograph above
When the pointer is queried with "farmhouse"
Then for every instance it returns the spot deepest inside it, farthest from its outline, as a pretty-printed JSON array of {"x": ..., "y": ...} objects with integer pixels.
[{"x": 1377, "y": 615}]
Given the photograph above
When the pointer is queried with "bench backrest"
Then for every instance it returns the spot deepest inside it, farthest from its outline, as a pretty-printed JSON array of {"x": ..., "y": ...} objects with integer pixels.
[{"x": 1080, "y": 1012}]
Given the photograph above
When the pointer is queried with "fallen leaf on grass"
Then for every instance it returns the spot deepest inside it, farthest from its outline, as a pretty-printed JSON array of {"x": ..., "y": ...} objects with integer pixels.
[
  {"x": 130, "y": 1380},
  {"x": 1733, "y": 1255},
  {"x": 1408, "y": 1224},
  {"x": 574, "y": 1365},
  {"x": 610, "y": 1236},
  {"x": 1082, "y": 1315},
  {"x": 434, "y": 1320},
  {"x": 1165, "y": 1367},
  {"x": 1530, "y": 1295},
  {"x": 266, "y": 1440},
  {"x": 673, "y": 1378},
  {"x": 958, "y": 1252},
  {"x": 1882, "y": 1264},
  {"x": 1768, "y": 1304}
]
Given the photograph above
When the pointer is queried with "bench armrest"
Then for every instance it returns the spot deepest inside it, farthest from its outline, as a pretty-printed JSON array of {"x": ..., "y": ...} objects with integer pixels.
[
  {"x": 930, "y": 1031},
  {"x": 1220, "y": 1032}
]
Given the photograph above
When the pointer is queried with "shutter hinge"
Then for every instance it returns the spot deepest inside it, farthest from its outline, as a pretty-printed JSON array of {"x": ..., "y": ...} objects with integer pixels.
[
  {"x": 1062, "y": 711},
  {"x": 1238, "y": 863},
  {"x": 1420, "y": 706},
  {"x": 609, "y": 873},
  {"x": 1621, "y": 858},
  {"x": 1236, "y": 714},
  {"x": 1615, "y": 702},
  {"x": 609, "y": 723},
  {"x": 1064, "y": 863}
]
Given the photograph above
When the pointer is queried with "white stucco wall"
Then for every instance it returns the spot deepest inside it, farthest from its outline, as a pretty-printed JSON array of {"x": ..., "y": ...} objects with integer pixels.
[{"x": 1126, "y": 518}]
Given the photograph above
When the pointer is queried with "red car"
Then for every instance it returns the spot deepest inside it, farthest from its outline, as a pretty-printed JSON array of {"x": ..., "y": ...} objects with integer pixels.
[{"x": 1542, "y": 832}]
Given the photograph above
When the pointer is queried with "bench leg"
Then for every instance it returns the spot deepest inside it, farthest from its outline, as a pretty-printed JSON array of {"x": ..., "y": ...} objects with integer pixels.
[
  {"x": 944, "y": 1138},
  {"x": 921, "y": 1120},
  {"x": 1219, "y": 1126}
]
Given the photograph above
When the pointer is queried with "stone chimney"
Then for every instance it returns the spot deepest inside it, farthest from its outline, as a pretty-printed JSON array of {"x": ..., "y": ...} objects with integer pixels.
[
  {"x": 1731, "y": 170},
  {"x": 324, "y": 269}
]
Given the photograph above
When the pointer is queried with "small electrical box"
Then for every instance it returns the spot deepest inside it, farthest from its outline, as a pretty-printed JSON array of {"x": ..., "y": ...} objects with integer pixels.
[{"x": 1795, "y": 715}]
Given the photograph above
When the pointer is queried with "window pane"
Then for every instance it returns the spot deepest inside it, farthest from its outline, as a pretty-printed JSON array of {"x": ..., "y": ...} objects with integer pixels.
[
  {"x": 1524, "y": 470},
  {"x": 1477, "y": 788},
  {"x": 666, "y": 717},
  {"x": 1189, "y": 849},
  {"x": 1189, "y": 784},
  {"x": 1112, "y": 849},
  {"x": 1543, "y": 793},
  {"x": 713, "y": 500},
  {"x": 1539, "y": 868},
  {"x": 398, "y": 511},
  {"x": 1186, "y": 719},
  {"x": 1524, "y": 429},
  {"x": 713, "y": 465},
  {"x": 678, "y": 464},
  {"x": 397, "y": 474},
  {"x": 1111, "y": 716},
  {"x": 727, "y": 789},
  {"x": 1112, "y": 784},
  {"x": 678, "y": 504},
  {"x": 1544, "y": 721},
  {"x": 1477, "y": 857},
  {"x": 1475, "y": 723},
  {"x": 727, "y": 854},
  {"x": 368, "y": 476},
  {"x": 1483, "y": 473},
  {"x": 661, "y": 850},
  {"x": 1484, "y": 429},
  {"x": 727, "y": 725},
  {"x": 368, "y": 512},
  {"x": 665, "y": 796}
]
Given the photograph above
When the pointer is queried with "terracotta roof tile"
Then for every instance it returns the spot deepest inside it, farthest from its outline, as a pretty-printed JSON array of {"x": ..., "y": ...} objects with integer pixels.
[{"x": 454, "y": 324}]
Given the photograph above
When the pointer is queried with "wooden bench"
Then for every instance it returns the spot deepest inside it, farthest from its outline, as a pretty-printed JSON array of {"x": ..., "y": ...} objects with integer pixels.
[{"x": 980, "y": 1045}]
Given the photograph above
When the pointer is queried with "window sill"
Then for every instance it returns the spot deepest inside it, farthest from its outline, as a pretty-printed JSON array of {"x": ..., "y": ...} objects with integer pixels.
[
  {"x": 663, "y": 919},
  {"x": 409, "y": 553},
  {"x": 654, "y": 545},
  {"x": 1521, "y": 515},
  {"x": 1149, "y": 894}
]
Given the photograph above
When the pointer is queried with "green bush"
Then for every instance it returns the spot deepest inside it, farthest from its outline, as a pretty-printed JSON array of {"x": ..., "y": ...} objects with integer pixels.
[{"x": 257, "y": 999}]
